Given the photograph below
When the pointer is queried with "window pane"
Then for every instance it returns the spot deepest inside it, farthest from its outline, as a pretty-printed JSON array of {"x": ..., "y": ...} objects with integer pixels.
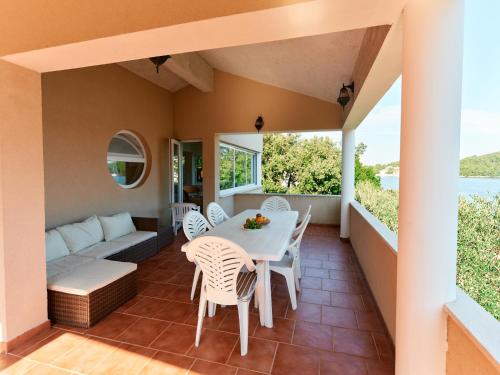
[
  {"x": 249, "y": 169},
  {"x": 240, "y": 168},
  {"x": 226, "y": 168}
]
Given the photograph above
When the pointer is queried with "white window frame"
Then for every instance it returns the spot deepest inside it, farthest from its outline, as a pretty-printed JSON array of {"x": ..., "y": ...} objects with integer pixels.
[{"x": 243, "y": 188}]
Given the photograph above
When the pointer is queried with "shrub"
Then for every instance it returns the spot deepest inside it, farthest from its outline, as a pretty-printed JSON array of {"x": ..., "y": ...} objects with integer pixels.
[{"x": 478, "y": 240}]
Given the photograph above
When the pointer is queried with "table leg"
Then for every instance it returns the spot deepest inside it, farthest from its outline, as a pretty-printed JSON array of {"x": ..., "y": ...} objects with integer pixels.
[{"x": 264, "y": 294}]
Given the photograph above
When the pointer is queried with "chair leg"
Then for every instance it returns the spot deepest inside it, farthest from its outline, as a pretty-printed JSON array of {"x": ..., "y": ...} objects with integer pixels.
[
  {"x": 197, "y": 272},
  {"x": 211, "y": 309},
  {"x": 290, "y": 282},
  {"x": 297, "y": 266},
  {"x": 256, "y": 299},
  {"x": 243, "y": 317},
  {"x": 297, "y": 282},
  {"x": 201, "y": 313}
]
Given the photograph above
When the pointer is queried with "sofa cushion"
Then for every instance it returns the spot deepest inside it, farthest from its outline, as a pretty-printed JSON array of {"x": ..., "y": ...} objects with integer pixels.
[
  {"x": 65, "y": 264},
  {"x": 55, "y": 247},
  {"x": 117, "y": 225},
  {"x": 103, "y": 249},
  {"x": 79, "y": 236},
  {"x": 90, "y": 276},
  {"x": 134, "y": 238}
]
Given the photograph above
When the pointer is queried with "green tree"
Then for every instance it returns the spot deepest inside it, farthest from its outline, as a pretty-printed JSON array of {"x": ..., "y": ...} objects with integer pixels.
[
  {"x": 364, "y": 172},
  {"x": 307, "y": 166},
  {"x": 279, "y": 170}
]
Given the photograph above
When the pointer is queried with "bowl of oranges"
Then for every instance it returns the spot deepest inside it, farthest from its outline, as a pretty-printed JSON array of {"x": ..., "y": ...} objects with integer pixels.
[{"x": 256, "y": 222}]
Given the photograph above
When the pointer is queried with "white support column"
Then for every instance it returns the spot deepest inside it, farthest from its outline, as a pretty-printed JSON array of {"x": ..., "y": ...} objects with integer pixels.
[
  {"x": 430, "y": 142},
  {"x": 347, "y": 196}
]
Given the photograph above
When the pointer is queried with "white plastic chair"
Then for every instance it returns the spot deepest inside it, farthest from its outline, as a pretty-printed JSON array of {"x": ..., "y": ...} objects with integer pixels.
[
  {"x": 178, "y": 212},
  {"x": 194, "y": 225},
  {"x": 221, "y": 261},
  {"x": 216, "y": 214},
  {"x": 301, "y": 222},
  {"x": 275, "y": 204},
  {"x": 290, "y": 264}
]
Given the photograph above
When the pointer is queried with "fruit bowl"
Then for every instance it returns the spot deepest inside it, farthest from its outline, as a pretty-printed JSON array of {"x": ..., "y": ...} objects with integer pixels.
[{"x": 256, "y": 222}]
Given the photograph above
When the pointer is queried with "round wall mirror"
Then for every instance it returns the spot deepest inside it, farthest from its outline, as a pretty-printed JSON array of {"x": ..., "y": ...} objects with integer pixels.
[{"x": 127, "y": 159}]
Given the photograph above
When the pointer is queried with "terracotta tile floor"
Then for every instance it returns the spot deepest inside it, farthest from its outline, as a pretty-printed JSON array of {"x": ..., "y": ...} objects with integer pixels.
[{"x": 335, "y": 329}]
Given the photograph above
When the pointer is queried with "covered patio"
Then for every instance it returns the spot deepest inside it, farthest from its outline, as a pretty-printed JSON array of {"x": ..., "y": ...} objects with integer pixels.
[
  {"x": 336, "y": 328},
  {"x": 370, "y": 302}
]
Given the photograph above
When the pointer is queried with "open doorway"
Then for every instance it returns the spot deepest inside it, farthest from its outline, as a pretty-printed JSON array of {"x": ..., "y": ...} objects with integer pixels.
[{"x": 187, "y": 176}]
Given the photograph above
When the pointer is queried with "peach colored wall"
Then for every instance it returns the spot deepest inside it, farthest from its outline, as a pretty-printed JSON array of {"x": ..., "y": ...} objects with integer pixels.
[
  {"x": 23, "y": 297},
  {"x": 33, "y": 25},
  {"x": 463, "y": 356},
  {"x": 233, "y": 107},
  {"x": 82, "y": 109},
  {"x": 375, "y": 247}
]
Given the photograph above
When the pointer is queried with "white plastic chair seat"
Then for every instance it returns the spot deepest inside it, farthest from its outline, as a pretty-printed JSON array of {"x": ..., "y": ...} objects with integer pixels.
[{"x": 245, "y": 285}]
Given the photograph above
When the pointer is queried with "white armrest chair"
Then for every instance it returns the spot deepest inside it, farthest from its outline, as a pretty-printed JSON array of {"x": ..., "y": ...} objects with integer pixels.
[
  {"x": 289, "y": 266},
  {"x": 275, "y": 204},
  {"x": 194, "y": 225},
  {"x": 221, "y": 261},
  {"x": 178, "y": 212},
  {"x": 216, "y": 214}
]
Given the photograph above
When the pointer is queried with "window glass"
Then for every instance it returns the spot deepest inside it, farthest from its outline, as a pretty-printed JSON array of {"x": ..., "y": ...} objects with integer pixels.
[
  {"x": 226, "y": 170},
  {"x": 126, "y": 159},
  {"x": 237, "y": 167}
]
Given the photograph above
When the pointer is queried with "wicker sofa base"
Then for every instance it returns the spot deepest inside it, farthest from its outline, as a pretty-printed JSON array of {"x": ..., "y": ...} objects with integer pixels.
[
  {"x": 137, "y": 253},
  {"x": 85, "y": 311}
]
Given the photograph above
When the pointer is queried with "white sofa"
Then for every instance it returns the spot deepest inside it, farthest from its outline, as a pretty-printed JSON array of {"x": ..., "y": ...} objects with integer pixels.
[{"x": 78, "y": 274}]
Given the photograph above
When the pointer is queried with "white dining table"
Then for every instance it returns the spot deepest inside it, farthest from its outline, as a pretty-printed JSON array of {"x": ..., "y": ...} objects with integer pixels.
[{"x": 262, "y": 245}]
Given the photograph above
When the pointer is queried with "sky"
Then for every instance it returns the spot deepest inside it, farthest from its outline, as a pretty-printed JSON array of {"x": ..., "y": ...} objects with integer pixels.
[{"x": 480, "y": 127}]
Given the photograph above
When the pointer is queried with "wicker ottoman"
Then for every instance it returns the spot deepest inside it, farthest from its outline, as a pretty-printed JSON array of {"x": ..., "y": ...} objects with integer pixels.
[{"x": 87, "y": 293}]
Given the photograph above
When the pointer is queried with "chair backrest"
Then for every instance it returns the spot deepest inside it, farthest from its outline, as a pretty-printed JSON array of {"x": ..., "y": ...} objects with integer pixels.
[
  {"x": 294, "y": 247},
  {"x": 221, "y": 261},
  {"x": 306, "y": 214},
  {"x": 194, "y": 224},
  {"x": 181, "y": 209},
  {"x": 275, "y": 204},
  {"x": 302, "y": 222},
  {"x": 216, "y": 214}
]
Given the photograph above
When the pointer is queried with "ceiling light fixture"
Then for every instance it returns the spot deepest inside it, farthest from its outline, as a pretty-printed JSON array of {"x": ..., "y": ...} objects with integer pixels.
[
  {"x": 344, "y": 96},
  {"x": 159, "y": 60}
]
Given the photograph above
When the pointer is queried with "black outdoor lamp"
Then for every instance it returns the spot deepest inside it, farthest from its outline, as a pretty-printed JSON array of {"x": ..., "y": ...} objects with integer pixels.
[
  {"x": 344, "y": 97},
  {"x": 159, "y": 60},
  {"x": 259, "y": 123}
]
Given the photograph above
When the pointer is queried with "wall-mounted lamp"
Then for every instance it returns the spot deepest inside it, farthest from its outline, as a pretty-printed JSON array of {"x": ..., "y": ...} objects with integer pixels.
[
  {"x": 344, "y": 97},
  {"x": 159, "y": 60},
  {"x": 259, "y": 123}
]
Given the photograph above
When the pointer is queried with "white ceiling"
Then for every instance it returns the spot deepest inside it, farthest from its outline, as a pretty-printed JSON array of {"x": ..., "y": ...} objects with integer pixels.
[{"x": 315, "y": 66}]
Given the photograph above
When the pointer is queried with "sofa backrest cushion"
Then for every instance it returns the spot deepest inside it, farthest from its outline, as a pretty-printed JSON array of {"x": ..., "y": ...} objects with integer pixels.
[
  {"x": 55, "y": 247},
  {"x": 79, "y": 236},
  {"x": 117, "y": 225}
]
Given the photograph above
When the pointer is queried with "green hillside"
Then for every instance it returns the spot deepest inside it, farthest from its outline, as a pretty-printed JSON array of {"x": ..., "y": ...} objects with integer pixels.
[
  {"x": 483, "y": 165},
  {"x": 487, "y": 165}
]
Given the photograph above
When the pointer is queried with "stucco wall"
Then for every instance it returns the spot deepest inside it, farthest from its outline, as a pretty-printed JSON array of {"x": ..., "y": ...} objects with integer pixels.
[
  {"x": 325, "y": 208},
  {"x": 82, "y": 109},
  {"x": 23, "y": 296},
  {"x": 233, "y": 107},
  {"x": 376, "y": 249},
  {"x": 464, "y": 357}
]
